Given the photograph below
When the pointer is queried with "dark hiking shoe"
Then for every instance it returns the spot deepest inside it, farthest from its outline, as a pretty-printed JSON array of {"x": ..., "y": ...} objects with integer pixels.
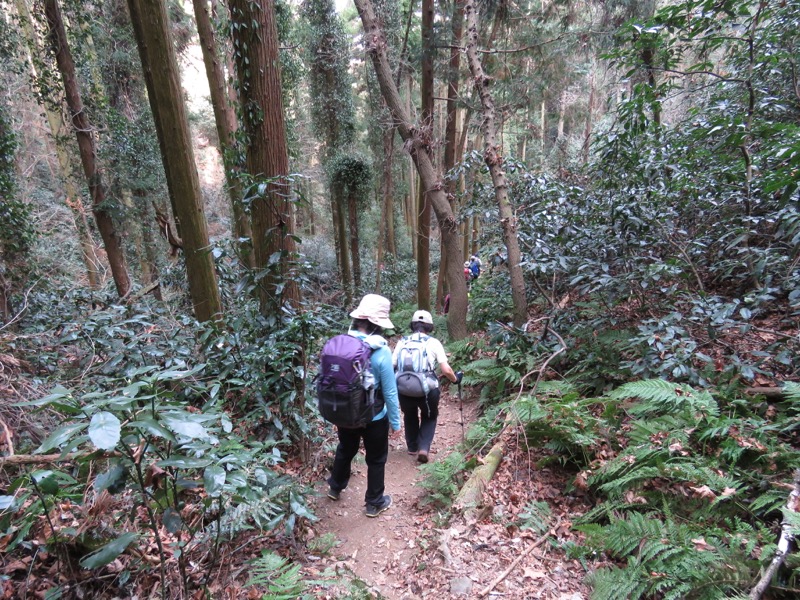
[
  {"x": 334, "y": 494},
  {"x": 422, "y": 456},
  {"x": 373, "y": 510}
]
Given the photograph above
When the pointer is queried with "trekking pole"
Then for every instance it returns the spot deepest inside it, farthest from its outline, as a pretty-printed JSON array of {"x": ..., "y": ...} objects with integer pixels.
[{"x": 461, "y": 411}]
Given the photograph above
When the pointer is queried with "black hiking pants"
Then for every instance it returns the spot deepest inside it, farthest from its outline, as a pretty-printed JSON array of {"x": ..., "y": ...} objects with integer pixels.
[
  {"x": 419, "y": 420},
  {"x": 376, "y": 447}
]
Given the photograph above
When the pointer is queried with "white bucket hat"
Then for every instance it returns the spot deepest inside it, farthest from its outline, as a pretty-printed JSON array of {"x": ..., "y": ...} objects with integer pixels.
[
  {"x": 375, "y": 309},
  {"x": 422, "y": 316}
]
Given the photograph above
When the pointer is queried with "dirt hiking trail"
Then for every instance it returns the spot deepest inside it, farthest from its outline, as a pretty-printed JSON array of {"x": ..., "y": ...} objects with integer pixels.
[{"x": 401, "y": 555}]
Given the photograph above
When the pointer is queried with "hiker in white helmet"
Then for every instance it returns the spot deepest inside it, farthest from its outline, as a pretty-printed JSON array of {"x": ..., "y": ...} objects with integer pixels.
[{"x": 415, "y": 359}]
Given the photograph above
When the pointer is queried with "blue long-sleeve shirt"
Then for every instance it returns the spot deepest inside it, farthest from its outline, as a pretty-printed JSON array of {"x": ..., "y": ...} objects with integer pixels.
[{"x": 381, "y": 363}]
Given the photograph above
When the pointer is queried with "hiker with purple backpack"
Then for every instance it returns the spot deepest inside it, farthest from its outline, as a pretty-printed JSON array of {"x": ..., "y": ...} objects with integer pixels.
[{"x": 382, "y": 407}]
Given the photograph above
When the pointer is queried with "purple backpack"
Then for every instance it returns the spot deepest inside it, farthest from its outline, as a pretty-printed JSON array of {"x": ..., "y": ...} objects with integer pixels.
[{"x": 345, "y": 383}]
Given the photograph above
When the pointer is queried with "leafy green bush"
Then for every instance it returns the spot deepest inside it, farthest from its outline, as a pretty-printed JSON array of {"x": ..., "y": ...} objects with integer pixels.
[{"x": 156, "y": 445}]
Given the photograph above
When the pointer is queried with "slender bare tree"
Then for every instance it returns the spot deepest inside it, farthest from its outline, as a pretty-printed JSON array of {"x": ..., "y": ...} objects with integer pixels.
[
  {"x": 225, "y": 120},
  {"x": 88, "y": 150},
  {"x": 429, "y": 177},
  {"x": 493, "y": 157}
]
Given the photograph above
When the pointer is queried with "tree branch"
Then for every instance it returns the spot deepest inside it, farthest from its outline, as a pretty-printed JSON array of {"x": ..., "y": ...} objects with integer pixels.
[{"x": 785, "y": 541}]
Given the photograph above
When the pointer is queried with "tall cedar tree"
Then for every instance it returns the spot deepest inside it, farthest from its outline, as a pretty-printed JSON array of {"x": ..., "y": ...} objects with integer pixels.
[
  {"x": 255, "y": 48},
  {"x": 87, "y": 147},
  {"x": 151, "y": 29},
  {"x": 451, "y": 119},
  {"x": 49, "y": 98}
]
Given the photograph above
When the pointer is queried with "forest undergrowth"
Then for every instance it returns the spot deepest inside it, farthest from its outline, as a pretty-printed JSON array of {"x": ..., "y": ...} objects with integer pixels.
[{"x": 160, "y": 452}]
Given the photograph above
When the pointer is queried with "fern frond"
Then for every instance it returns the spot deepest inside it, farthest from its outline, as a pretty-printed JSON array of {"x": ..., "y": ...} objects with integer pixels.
[
  {"x": 536, "y": 516},
  {"x": 259, "y": 513},
  {"x": 661, "y": 396},
  {"x": 556, "y": 389},
  {"x": 281, "y": 578},
  {"x": 791, "y": 390}
]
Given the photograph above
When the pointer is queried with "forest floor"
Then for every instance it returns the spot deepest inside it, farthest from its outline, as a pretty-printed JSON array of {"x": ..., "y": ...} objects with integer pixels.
[{"x": 414, "y": 551}]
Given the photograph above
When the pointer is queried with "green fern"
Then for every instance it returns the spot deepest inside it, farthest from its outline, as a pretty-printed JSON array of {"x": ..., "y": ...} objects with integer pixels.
[
  {"x": 260, "y": 513},
  {"x": 660, "y": 396},
  {"x": 791, "y": 390},
  {"x": 664, "y": 558},
  {"x": 442, "y": 479},
  {"x": 536, "y": 515},
  {"x": 281, "y": 578}
]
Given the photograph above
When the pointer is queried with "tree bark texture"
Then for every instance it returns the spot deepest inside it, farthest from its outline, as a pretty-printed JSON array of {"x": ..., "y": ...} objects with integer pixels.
[
  {"x": 492, "y": 156},
  {"x": 87, "y": 147},
  {"x": 431, "y": 180},
  {"x": 352, "y": 209},
  {"x": 255, "y": 49},
  {"x": 151, "y": 28},
  {"x": 339, "y": 211},
  {"x": 225, "y": 120},
  {"x": 386, "y": 225},
  {"x": 451, "y": 126},
  {"x": 426, "y": 117}
]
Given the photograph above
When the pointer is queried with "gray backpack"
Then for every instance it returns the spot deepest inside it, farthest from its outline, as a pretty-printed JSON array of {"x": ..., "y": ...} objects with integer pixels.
[{"x": 414, "y": 376}]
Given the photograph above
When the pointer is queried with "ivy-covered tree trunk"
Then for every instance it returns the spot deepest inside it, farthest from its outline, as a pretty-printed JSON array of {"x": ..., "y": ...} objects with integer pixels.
[
  {"x": 255, "y": 49},
  {"x": 225, "y": 120},
  {"x": 494, "y": 160},
  {"x": 88, "y": 150},
  {"x": 431, "y": 180},
  {"x": 352, "y": 207},
  {"x": 151, "y": 29}
]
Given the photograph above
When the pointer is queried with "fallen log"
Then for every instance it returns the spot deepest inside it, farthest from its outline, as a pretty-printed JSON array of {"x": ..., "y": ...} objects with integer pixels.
[
  {"x": 470, "y": 498},
  {"x": 36, "y": 459},
  {"x": 44, "y": 459},
  {"x": 770, "y": 393}
]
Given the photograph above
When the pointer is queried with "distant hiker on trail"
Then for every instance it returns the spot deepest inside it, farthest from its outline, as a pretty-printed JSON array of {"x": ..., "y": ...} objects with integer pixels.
[
  {"x": 415, "y": 358},
  {"x": 369, "y": 320},
  {"x": 475, "y": 265},
  {"x": 467, "y": 272}
]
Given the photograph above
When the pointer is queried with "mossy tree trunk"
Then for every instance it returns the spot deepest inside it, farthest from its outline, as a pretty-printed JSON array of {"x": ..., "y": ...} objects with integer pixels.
[
  {"x": 151, "y": 28},
  {"x": 73, "y": 198}
]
